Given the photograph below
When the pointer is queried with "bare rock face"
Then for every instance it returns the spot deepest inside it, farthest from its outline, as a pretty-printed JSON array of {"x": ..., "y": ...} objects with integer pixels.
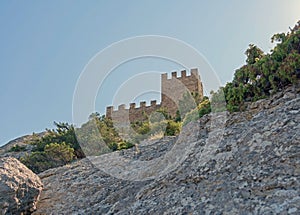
[
  {"x": 241, "y": 163},
  {"x": 19, "y": 187}
]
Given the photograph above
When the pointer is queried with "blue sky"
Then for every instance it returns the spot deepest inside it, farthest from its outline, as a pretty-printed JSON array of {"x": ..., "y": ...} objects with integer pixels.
[{"x": 46, "y": 44}]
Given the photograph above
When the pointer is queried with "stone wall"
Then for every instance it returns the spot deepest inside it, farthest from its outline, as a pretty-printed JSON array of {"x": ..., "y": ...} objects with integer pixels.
[
  {"x": 172, "y": 91},
  {"x": 122, "y": 114}
]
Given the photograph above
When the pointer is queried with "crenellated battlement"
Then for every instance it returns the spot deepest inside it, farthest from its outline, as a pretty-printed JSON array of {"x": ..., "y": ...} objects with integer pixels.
[
  {"x": 181, "y": 75},
  {"x": 172, "y": 90},
  {"x": 142, "y": 104},
  {"x": 135, "y": 113}
]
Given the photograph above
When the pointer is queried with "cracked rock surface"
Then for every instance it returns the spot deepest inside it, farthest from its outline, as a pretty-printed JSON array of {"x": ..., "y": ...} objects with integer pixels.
[
  {"x": 240, "y": 163},
  {"x": 20, "y": 188}
]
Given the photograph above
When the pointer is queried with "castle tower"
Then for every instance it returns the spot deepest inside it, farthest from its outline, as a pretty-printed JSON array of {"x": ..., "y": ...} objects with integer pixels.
[{"x": 172, "y": 90}]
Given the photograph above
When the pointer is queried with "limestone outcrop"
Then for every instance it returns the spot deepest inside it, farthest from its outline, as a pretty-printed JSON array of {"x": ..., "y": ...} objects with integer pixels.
[
  {"x": 20, "y": 188},
  {"x": 241, "y": 163}
]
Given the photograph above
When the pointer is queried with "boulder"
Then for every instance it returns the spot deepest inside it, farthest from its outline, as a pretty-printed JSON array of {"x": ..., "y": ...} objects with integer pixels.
[{"x": 20, "y": 188}]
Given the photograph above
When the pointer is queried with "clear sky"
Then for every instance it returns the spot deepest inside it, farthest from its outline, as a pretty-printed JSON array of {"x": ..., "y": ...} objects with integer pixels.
[{"x": 44, "y": 45}]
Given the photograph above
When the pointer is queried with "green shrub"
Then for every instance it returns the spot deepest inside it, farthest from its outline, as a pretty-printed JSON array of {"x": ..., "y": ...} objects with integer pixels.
[
  {"x": 203, "y": 108},
  {"x": 63, "y": 133},
  {"x": 144, "y": 128},
  {"x": 173, "y": 128},
  {"x": 17, "y": 148},
  {"x": 54, "y": 155},
  {"x": 124, "y": 145},
  {"x": 265, "y": 74},
  {"x": 37, "y": 162},
  {"x": 59, "y": 153}
]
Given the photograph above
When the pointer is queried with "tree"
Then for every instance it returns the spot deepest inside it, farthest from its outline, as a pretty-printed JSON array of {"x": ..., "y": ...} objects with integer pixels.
[
  {"x": 59, "y": 153},
  {"x": 253, "y": 54}
]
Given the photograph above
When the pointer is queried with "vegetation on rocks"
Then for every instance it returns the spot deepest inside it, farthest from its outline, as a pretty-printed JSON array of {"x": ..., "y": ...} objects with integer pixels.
[
  {"x": 204, "y": 107},
  {"x": 17, "y": 148},
  {"x": 251, "y": 166},
  {"x": 55, "y": 148},
  {"x": 99, "y": 135},
  {"x": 263, "y": 75}
]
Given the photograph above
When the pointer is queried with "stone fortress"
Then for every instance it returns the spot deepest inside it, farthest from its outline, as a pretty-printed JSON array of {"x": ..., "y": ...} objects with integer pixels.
[{"x": 172, "y": 91}]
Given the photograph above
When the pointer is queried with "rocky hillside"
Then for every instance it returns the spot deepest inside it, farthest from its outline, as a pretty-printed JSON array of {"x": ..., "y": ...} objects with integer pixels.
[
  {"x": 241, "y": 163},
  {"x": 21, "y": 143}
]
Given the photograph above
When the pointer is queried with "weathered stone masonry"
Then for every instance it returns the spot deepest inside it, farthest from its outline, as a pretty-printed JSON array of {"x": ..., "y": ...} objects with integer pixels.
[{"x": 172, "y": 91}]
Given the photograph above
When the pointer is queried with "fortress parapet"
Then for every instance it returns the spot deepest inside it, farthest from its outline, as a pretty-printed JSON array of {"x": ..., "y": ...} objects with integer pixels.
[
  {"x": 172, "y": 91},
  {"x": 133, "y": 113}
]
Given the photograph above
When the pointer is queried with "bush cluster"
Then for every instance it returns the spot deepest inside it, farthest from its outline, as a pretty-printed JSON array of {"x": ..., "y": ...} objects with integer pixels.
[
  {"x": 264, "y": 74},
  {"x": 54, "y": 155},
  {"x": 55, "y": 148},
  {"x": 204, "y": 107},
  {"x": 17, "y": 148}
]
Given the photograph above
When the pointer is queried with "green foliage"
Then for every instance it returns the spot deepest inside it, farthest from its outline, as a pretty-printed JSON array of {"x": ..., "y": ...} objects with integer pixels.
[
  {"x": 203, "y": 108},
  {"x": 59, "y": 153},
  {"x": 57, "y": 147},
  {"x": 261, "y": 76},
  {"x": 193, "y": 107},
  {"x": 141, "y": 127},
  {"x": 98, "y": 136},
  {"x": 17, "y": 148},
  {"x": 265, "y": 74},
  {"x": 173, "y": 128},
  {"x": 178, "y": 116},
  {"x": 164, "y": 111},
  {"x": 54, "y": 155},
  {"x": 158, "y": 124},
  {"x": 64, "y": 133},
  {"x": 253, "y": 54},
  {"x": 124, "y": 145},
  {"x": 37, "y": 161},
  {"x": 146, "y": 129}
]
